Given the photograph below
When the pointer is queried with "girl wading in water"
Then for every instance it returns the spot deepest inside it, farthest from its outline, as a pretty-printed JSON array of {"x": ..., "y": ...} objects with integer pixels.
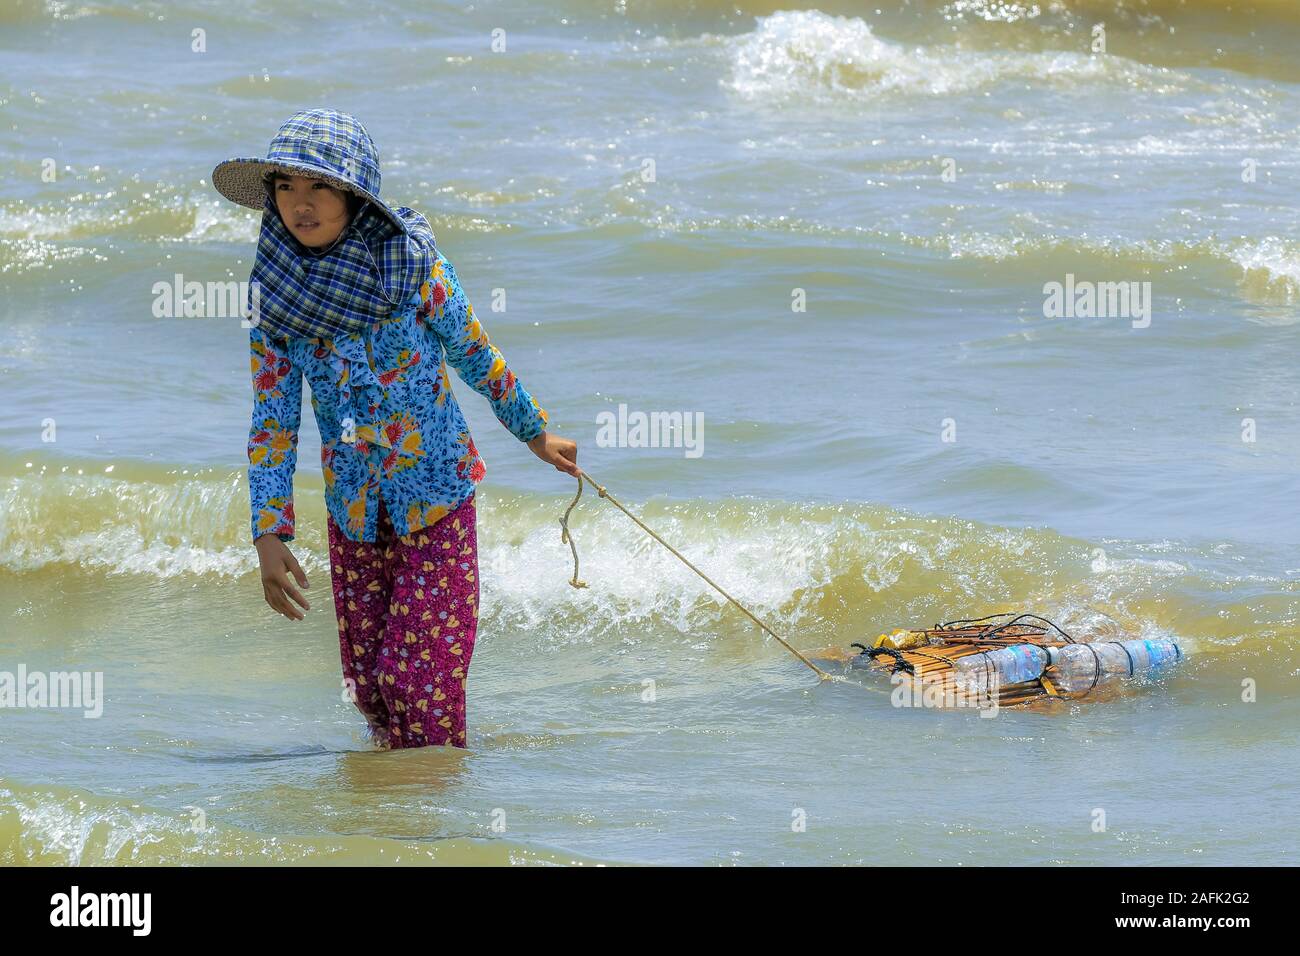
[{"x": 353, "y": 296}]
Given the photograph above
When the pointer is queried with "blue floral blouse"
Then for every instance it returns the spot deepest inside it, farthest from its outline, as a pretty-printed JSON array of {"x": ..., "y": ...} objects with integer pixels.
[{"x": 389, "y": 423}]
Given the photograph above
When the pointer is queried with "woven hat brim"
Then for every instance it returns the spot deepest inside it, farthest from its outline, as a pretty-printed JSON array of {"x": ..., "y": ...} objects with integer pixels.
[{"x": 240, "y": 181}]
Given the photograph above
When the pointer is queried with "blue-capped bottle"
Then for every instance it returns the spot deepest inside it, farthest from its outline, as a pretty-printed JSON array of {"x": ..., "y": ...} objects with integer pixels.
[
  {"x": 985, "y": 672},
  {"x": 1077, "y": 668}
]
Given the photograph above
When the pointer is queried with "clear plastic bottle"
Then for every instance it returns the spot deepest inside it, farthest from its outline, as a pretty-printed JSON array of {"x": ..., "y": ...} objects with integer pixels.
[
  {"x": 984, "y": 673},
  {"x": 1077, "y": 668}
]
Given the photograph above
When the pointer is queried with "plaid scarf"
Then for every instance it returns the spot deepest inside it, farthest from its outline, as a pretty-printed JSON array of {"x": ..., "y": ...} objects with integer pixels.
[{"x": 370, "y": 270}]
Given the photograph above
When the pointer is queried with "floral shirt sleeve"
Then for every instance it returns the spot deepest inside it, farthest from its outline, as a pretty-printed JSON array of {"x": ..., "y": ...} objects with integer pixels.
[
  {"x": 273, "y": 437},
  {"x": 478, "y": 361}
]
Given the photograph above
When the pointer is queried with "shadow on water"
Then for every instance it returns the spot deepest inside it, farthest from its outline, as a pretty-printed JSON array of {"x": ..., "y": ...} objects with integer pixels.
[{"x": 268, "y": 757}]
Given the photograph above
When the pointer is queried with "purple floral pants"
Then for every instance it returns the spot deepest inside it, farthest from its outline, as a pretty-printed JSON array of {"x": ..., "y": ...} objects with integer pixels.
[{"x": 407, "y": 607}]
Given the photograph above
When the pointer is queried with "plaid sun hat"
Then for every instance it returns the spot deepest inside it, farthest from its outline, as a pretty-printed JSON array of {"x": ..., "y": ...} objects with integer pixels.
[{"x": 379, "y": 260}]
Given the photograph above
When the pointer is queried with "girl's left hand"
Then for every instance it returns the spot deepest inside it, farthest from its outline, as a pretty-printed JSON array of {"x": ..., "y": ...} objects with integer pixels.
[{"x": 557, "y": 451}]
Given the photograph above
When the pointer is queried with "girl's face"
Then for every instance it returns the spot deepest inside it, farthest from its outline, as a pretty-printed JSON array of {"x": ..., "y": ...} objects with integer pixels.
[{"x": 313, "y": 210}]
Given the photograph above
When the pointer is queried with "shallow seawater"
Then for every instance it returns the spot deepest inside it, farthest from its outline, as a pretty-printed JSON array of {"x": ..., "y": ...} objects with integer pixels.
[{"x": 919, "y": 443}]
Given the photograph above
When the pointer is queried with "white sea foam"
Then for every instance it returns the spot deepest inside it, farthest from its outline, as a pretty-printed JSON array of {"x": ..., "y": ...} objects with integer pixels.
[
  {"x": 1270, "y": 269},
  {"x": 102, "y": 523},
  {"x": 217, "y": 220},
  {"x": 812, "y": 54}
]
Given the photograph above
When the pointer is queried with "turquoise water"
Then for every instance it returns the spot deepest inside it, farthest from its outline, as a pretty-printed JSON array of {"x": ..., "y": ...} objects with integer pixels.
[{"x": 1098, "y": 473}]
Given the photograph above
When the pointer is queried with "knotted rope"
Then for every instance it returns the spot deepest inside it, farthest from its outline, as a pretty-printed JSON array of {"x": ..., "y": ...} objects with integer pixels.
[{"x": 567, "y": 537}]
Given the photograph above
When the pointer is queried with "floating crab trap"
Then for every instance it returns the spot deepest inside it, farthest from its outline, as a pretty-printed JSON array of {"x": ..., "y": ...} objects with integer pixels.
[{"x": 1008, "y": 660}]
